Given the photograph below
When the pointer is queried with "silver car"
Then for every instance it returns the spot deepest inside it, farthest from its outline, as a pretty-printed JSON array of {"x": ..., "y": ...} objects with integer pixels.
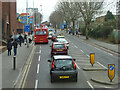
[{"x": 63, "y": 40}]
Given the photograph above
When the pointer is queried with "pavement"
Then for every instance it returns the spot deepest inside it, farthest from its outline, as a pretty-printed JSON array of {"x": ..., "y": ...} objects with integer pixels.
[{"x": 10, "y": 76}]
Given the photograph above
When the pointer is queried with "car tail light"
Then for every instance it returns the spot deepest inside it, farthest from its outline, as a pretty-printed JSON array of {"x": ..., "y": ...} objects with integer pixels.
[
  {"x": 53, "y": 64},
  {"x": 53, "y": 45},
  {"x": 67, "y": 43},
  {"x": 65, "y": 46},
  {"x": 74, "y": 64}
]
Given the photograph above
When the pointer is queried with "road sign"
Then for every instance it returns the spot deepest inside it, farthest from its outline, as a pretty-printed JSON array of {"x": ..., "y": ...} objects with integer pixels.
[
  {"x": 111, "y": 71},
  {"x": 92, "y": 58}
]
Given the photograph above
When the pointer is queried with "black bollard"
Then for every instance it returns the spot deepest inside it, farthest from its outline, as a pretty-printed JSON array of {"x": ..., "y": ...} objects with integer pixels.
[{"x": 14, "y": 62}]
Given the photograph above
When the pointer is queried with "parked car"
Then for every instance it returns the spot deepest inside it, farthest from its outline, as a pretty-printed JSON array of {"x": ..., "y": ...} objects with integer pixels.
[
  {"x": 63, "y": 67},
  {"x": 63, "y": 40},
  {"x": 58, "y": 48}
]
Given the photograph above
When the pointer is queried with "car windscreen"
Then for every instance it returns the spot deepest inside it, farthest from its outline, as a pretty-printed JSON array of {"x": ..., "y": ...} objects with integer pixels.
[
  {"x": 59, "y": 46},
  {"x": 41, "y": 32},
  {"x": 63, "y": 63}
]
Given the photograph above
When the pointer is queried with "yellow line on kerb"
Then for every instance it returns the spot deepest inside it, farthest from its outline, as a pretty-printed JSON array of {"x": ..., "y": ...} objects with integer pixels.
[{"x": 26, "y": 70}]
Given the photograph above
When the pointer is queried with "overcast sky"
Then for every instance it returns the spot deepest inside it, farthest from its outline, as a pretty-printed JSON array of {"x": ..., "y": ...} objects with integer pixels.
[{"x": 49, "y": 5}]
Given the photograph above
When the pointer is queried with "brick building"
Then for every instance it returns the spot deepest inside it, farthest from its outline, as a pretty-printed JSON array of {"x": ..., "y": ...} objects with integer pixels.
[{"x": 10, "y": 24}]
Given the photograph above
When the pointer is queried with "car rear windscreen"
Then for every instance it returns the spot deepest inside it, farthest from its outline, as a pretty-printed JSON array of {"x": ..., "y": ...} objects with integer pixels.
[
  {"x": 59, "y": 46},
  {"x": 63, "y": 63}
]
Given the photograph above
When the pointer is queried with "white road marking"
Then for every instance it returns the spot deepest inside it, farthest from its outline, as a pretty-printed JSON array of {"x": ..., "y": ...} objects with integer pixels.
[
  {"x": 40, "y": 47},
  {"x": 39, "y": 58},
  {"x": 77, "y": 66},
  {"x": 81, "y": 51},
  {"x": 102, "y": 65},
  {"x": 110, "y": 54},
  {"x": 75, "y": 46},
  {"x": 36, "y": 84},
  {"x": 40, "y": 51},
  {"x": 38, "y": 68},
  {"x": 90, "y": 85},
  {"x": 87, "y": 55}
]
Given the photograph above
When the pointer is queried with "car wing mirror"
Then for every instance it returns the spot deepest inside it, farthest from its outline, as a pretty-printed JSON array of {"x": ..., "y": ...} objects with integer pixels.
[
  {"x": 74, "y": 59},
  {"x": 49, "y": 61}
]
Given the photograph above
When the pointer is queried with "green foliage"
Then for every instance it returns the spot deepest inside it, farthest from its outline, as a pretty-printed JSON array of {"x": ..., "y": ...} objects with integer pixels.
[
  {"x": 109, "y": 16},
  {"x": 102, "y": 30}
]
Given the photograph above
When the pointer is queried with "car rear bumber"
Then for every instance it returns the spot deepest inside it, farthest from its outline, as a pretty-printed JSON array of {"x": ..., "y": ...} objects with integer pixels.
[
  {"x": 59, "y": 51},
  {"x": 71, "y": 74}
]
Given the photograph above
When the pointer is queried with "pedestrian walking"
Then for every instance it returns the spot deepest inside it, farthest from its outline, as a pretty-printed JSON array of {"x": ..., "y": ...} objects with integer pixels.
[
  {"x": 9, "y": 47},
  {"x": 25, "y": 39},
  {"x": 20, "y": 40},
  {"x": 15, "y": 44}
]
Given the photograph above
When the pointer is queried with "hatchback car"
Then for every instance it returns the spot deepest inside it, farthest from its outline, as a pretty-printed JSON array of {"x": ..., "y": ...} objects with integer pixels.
[
  {"x": 58, "y": 48},
  {"x": 63, "y": 40},
  {"x": 63, "y": 67}
]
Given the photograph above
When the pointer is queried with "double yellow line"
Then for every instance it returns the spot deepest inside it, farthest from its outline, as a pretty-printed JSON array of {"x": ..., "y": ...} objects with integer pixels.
[{"x": 25, "y": 74}]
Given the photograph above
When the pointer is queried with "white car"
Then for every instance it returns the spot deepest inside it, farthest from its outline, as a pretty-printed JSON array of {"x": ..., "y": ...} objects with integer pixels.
[
  {"x": 63, "y": 40},
  {"x": 60, "y": 37}
]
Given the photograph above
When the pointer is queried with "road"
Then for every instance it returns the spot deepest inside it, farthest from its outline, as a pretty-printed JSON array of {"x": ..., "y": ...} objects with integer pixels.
[{"x": 39, "y": 77}]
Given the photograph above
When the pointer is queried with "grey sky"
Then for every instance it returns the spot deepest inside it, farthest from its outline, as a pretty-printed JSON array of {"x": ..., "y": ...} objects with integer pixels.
[{"x": 49, "y": 5}]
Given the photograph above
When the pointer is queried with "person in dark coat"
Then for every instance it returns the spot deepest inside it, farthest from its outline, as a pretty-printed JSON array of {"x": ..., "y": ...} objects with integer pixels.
[
  {"x": 20, "y": 39},
  {"x": 15, "y": 45},
  {"x": 9, "y": 47}
]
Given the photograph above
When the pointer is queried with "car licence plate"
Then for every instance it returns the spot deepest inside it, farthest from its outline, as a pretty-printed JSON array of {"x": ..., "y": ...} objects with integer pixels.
[
  {"x": 63, "y": 77},
  {"x": 41, "y": 41},
  {"x": 59, "y": 50}
]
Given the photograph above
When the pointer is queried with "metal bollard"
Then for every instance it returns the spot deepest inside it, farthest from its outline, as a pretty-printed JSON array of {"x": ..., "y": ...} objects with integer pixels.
[{"x": 14, "y": 62}]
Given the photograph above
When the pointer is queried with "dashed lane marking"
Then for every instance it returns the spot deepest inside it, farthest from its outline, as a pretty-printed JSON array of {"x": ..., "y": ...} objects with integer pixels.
[
  {"x": 36, "y": 84},
  {"x": 90, "y": 85},
  {"x": 40, "y": 51},
  {"x": 38, "y": 68},
  {"x": 39, "y": 58}
]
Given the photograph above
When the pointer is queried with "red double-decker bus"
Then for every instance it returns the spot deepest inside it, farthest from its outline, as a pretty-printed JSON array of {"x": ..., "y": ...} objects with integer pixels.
[{"x": 41, "y": 35}]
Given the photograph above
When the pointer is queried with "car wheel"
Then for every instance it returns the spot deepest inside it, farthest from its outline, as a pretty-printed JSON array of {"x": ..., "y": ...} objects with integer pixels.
[
  {"x": 75, "y": 79},
  {"x": 52, "y": 80}
]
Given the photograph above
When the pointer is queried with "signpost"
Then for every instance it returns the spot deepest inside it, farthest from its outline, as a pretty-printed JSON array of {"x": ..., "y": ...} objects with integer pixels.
[
  {"x": 92, "y": 58},
  {"x": 111, "y": 71}
]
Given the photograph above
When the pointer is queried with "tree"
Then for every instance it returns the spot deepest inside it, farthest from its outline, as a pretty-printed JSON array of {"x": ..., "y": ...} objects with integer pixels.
[
  {"x": 55, "y": 18},
  {"x": 88, "y": 11},
  {"x": 69, "y": 11},
  {"x": 109, "y": 16}
]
